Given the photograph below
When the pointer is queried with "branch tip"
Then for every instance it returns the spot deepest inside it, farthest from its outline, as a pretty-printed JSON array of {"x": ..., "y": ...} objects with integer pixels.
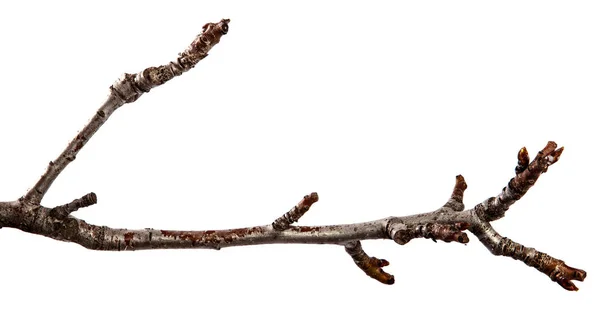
[
  {"x": 547, "y": 156},
  {"x": 456, "y": 199},
  {"x": 527, "y": 174},
  {"x": 308, "y": 200},
  {"x": 447, "y": 232},
  {"x": 550, "y": 147},
  {"x": 563, "y": 274},
  {"x": 127, "y": 90},
  {"x": 555, "y": 155},
  {"x": 296, "y": 212},
  {"x": 370, "y": 265},
  {"x": 461, "y": 182},
  {"x": 556, "y": 269},
  {"x": 523, "y": 160}
]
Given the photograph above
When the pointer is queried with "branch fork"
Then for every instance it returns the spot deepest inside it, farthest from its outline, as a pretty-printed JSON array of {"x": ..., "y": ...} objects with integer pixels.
[{"x": 449, "y": 223}]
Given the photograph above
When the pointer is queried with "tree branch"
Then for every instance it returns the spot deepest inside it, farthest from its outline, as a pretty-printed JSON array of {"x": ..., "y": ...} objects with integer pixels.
[
  {"x": 556, "y": 269},
  {"x": 526, "y": 176},
  {"x": 64, "y": 210},
  {"x": 296, "y": 212},
  {"x": 447, "y": 223},
  {"x": 127, "y": 90}
]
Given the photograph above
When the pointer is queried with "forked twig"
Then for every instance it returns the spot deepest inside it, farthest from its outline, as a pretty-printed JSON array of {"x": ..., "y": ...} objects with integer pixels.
[{"x": 448, "y": 223}]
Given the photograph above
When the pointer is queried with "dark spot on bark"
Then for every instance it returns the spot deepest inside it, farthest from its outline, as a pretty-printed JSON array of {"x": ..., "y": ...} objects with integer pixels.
[
  {"x": 128, "y": 238},
  {"x": 308, "y": 229},
  {"x": 212, "y": 238},
  {"x": 190, "y": 236}
]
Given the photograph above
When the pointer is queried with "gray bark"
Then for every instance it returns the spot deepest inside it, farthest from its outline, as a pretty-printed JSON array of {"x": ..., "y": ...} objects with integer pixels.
[{"x": 448, "y": 223}]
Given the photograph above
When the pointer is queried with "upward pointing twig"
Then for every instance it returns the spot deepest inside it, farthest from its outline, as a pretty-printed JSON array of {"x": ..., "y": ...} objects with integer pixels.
[
  {"x": 526, "y": 176},
  {"x": 126, "y": 90},
  {"x": 284, "y": 222},
  {"x": 456, "y": 199}
]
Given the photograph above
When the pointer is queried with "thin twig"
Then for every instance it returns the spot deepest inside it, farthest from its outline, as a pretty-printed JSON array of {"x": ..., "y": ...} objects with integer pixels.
[
  {"x": 446, "y": 223},
  {"x": 66, "y": 209},
  {"x": 526, "y": 176},
  {"x": 126, "y": 90},
  {"x": 296, "y": 212},
  {"x": 456, "y": 199}
]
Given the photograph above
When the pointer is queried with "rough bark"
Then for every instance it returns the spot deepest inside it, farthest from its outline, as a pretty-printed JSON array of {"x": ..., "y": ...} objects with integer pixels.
[{"x": 448, "y": 223}]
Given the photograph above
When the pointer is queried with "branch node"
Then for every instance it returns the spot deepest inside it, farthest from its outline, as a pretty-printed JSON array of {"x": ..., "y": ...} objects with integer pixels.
[
  {"x": 370, "y": 265},
  {"x": 563, "y": 274},
  {"x": 296, "y": 212},
  {"x": 63, "y": 211},
  {"x": 452, "y": 232}
]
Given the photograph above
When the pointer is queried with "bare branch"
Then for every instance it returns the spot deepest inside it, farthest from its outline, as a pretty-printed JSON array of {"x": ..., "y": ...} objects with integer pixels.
[
  {"x": 556, "y": 269},
  {"x": 495, "y": 207},
  {"x": 403, "y": 232},
  {"x": 296, "y": 212},
  {"x": 126, "y": 90},
  {"x": 447, "y": 223},
  {"x": 21, "y": 216}
]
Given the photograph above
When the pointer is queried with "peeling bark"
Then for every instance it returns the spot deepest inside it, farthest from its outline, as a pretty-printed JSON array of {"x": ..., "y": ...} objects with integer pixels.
[{"x": 447, "y": 223}]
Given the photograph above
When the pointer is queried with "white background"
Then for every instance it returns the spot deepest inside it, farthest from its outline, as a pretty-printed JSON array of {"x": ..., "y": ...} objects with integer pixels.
[{"x": 376, "y": 105}]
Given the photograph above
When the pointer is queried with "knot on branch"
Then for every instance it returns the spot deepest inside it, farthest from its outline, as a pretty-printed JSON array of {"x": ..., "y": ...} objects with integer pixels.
[
  {"x": 491, "y": 209},
  {"x": 370, "y": 265},
  {"x": 296, "y": 212},
  {"x": 63, "y": 211},
  {"x": 126, "y": 89},
  {"x": 447, "y": 232}
]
